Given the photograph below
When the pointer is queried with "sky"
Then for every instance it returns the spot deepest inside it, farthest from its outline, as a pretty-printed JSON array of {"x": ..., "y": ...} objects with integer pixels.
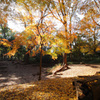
[{"x": 16, "y": 26}]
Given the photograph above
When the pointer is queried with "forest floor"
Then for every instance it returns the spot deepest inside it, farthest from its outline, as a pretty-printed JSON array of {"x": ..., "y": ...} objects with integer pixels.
[{"x": 17, "y": 73}]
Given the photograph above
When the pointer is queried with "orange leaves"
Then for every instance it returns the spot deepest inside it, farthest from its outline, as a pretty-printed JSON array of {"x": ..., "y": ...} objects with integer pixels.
[
  {"x": 3, "y": 19},
  {"x": 29, "y": 42},
  {"x": 28, "y": 52},
  {"x": 85, "y": 48},
  {"x": 21, "y": 1},
  {"x": 12, "y": 52},
  {"x": 43, "y": 52},
  {"x": 38, "y": 39},
  {"x": 34, "y": 52},
  {"x": 5, "y": 42},
  {"x": 72, "y": 37},
  {"x": 98, "y": 49},
  {"x": 51, "y": 89}
]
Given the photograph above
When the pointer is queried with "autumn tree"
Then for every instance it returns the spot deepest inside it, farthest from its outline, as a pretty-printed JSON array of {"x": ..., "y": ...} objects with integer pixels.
[
  {"x": 96, "y": 12},
  {"x": 5, "y": 32},
  {"x": 38, "y": 29},
  {"x": 65, "y": 11},
  {"x": 88, "y": 25},
  {"x": 3, "y": 18}
]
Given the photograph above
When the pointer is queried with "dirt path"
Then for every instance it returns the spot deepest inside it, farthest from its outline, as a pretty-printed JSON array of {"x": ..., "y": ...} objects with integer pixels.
[
  {"x": 14, "y": 73},
  {"x": 78, "y": 70}
]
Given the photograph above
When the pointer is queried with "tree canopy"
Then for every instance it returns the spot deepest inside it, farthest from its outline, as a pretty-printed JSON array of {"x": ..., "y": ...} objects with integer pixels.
[{"x": 62, "y": 26}]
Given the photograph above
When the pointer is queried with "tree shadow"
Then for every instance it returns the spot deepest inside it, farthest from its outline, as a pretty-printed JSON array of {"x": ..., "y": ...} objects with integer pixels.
[
  {"x": 92, "y": 66},
  {"x": 11, "y": 73},
  {"x": 93, "y": 84},
  {"x": 95, "y": 67}
]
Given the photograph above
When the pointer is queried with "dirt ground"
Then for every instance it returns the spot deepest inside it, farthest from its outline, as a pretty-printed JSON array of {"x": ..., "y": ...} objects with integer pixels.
[
  {"x": 17, "y": 73},
  {"x": 78, "y": 70}
]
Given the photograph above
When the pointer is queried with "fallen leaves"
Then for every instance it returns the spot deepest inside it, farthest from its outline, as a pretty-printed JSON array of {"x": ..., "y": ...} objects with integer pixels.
[{"x": 51, "y": 89}]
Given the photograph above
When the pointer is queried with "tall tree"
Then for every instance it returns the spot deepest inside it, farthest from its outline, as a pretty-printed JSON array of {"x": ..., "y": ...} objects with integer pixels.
[
  {"x": 96, "y": 12},
  {"x": 63, "y": 11},
  {"x": 37, "y": 31},
  {"x": 88, "y": 24},
  {"x": 4, "y": 30}
]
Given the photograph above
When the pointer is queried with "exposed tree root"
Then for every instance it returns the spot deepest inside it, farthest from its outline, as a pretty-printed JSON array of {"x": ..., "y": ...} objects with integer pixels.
[{"x": 64, "y": 67}]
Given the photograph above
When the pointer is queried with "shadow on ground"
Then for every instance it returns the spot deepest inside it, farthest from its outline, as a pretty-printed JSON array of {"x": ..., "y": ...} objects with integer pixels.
[
  {"x": 15, "y": 73},
  {"x": 88, "y": 87},
  {"x": 92, "y": 66}
]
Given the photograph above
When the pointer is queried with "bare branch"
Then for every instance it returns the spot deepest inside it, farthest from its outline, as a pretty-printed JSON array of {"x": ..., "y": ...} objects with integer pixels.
[{"x": 95, "y": 21}]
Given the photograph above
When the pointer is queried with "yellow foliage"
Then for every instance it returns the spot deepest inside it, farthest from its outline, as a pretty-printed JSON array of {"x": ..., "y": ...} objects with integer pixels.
[
  {"x": 98, "y": 48},
  {"x": 67, "y": 51},
  {"x": 12, "y": 52},
  {"x": 5, "y": 42},
  {"x": 20, "y": 1}
]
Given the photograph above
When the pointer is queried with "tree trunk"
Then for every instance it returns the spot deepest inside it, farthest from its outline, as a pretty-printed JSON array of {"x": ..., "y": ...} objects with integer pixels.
[
  {"x": 70, "y": 37},
  {"x": 94, "y": 42},
  {"x": 40, "y": 64},
  {"x": 70, "y": 55},
  {"x": 26, "y": 58},
  {"x": 71, "y": 58},
  {"x": 65, "y": 65}
]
